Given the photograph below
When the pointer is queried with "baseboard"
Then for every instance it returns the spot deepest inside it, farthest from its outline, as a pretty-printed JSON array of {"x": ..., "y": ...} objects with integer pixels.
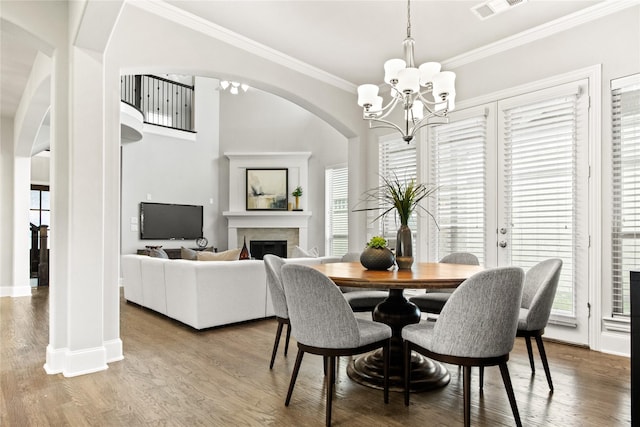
[
  {"x": 74, "y": 363},
  {"x": 15, "y": 291},
  {"x": 114, "y": 350}
]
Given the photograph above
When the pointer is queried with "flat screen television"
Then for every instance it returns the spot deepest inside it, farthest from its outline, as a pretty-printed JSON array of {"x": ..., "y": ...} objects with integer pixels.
[{"x": 163, "y": 221}]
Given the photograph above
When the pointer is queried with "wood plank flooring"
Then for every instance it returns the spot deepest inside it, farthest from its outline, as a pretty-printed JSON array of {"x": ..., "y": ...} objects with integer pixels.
[{"x": 173, "y": 375}]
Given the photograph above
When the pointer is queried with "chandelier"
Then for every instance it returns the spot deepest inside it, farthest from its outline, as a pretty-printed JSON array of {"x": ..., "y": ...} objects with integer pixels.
[
  {"x": 233, "y": 86},
  {"x": 425, "y": 93}
]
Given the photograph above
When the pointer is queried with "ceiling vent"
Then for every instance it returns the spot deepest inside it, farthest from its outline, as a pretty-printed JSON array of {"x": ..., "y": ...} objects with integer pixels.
[{"x": 491, "y": 8}]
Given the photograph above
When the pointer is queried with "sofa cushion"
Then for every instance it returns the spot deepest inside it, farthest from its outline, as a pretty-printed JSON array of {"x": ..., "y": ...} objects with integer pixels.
[
  {"x": 158, "y": 252},
  {"x": 298, "y": 252},
  {"x": 230, "y": 255},
  {"x": 190, "y": 254}
]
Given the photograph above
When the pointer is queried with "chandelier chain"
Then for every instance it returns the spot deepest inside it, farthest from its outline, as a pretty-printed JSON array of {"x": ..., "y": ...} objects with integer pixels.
[{"x": 408, "y": 18}]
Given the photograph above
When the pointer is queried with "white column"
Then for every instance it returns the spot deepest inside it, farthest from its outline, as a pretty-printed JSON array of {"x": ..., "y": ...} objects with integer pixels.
[{"x": 79, "y": 219}]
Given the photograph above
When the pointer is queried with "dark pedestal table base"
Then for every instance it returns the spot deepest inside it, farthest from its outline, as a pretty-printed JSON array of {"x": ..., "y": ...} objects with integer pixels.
[{"x": 426, "y": 374}]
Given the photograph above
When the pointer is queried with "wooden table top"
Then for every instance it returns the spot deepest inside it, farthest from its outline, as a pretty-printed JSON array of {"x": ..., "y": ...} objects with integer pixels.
[{"x": 421, "y": 276}]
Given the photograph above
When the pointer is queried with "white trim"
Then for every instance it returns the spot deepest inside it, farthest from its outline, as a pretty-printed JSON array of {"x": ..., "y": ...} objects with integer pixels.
[
  {"x": 541, "y": 31},
  {"x": 621, "y": 82},
  {"x": 170, "y": 132},
  {"x": 15, "y": 291},
  {"x": 196, "y": 23},
  {"x": 113, "y": 350},
  {"x": 74, "y": 363},
  {"x": 616, "y": 324}
]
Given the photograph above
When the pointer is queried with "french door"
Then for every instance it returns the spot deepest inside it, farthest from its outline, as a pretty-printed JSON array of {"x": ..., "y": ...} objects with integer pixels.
[{"x": 530, "y": 202}]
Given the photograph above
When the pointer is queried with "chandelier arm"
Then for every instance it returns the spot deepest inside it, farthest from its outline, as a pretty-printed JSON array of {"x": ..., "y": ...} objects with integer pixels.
[
  {"x": 387, "y": 109},
  {"x": 420, "y": 124},
  {"x": 385, "y": 124}
]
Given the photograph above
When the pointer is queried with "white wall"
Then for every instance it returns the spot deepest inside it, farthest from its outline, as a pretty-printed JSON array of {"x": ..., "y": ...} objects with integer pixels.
[
  {"x": 258, "y": 121},
  {"x": 40, "y": 168},
  {"x": 173, "y": 170}
]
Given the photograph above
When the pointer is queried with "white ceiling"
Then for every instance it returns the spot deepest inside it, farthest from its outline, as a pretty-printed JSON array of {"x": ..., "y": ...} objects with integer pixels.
[{"x": 348, "y": 39}]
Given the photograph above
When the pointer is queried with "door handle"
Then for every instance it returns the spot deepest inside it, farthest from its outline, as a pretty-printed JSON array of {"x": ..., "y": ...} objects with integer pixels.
[{"x": 502, "y": 244}]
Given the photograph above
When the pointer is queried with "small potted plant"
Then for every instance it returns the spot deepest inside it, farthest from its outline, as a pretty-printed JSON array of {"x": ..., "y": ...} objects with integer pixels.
[
  {"x": 297, "y": 193},
  {"x": 377, "y": 255}
]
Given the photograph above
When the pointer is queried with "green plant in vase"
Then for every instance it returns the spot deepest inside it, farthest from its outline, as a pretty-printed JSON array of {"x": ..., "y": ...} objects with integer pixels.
[
  {"x": 297, "y": 193},
  {"x": 377, "y": 255},
  {"x": 402, "y": 198}
]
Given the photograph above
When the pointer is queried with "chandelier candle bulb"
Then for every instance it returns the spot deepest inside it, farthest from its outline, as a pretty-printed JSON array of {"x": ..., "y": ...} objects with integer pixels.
[
  {"x": 367, "y": 94},
  {"x": 391, "y": 69},
  {"x": 427, "y": 71},
  {"x": 408, "y": 80}
]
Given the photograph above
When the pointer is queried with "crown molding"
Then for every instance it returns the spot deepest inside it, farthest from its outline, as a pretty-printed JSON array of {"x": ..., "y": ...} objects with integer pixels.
[
  {"x": 541, "y": 31},
  {"x": 196, "y": 23}
]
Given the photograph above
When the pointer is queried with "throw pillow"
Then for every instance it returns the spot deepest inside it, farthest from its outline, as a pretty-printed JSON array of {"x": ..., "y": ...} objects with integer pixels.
[
  {"x": 230, "y": 255},
  {"x": 158, "y": 253},
  {"x": 190, "y": 254},
  {"x": 298, "y": 252}
]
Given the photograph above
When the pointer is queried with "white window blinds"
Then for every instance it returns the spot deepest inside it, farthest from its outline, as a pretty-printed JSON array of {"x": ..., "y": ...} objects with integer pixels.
[
  {"x": 540, "y": 154},
  {"x": 337, "y": 227},
  {"x": 625, "y": 96},
  {"x": 458, "y": 168},
  {"x": 397, "y": 158}
]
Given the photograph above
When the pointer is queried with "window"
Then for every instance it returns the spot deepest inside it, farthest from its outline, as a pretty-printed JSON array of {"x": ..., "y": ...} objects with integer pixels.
[
  {"x": 40, "y": 208},
  {"x": 336, "y": 222},
  {"x": 625, "y": 94},
  {"x": 458, "y": 168},
  {"x": 398, "y": 159}
]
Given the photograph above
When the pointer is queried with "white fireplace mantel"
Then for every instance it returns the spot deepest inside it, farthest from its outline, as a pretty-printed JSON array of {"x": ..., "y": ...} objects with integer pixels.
[
  {"x": 267, "y": 219},
  {"x": 297, "y": 165}
]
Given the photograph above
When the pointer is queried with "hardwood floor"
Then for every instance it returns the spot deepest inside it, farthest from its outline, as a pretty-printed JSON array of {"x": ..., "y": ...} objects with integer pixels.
[{"x": 173, "y": 375}]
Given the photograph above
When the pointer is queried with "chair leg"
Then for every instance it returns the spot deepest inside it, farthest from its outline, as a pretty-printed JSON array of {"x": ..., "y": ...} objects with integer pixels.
[
  {"x": 545, "y": 363},
  {"x": 294, "y": 376},
  {"x": 466, "y": 387},
  {"x": 330, "y": 382},
  {"x": 481, "y": 379},
  {"x": 527, "y": 341},
  {"x": 385, "y": 356},
  {"x": 276, "y": 343},
  {"x": 286, "y": 343},
  {"x": 407, "y": 371},
  {"x": 506, "y": 378}
]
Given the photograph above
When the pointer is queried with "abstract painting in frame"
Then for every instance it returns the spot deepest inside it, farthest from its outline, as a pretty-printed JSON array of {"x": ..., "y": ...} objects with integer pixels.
[{"x": 267, "y": 189}]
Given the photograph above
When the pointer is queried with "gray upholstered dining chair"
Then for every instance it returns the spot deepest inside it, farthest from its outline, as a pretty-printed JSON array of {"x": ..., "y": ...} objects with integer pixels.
[
  {"x": 477, "y": 327},
  {"x": 434, "y": 299},
  {"x": 273, "y": 265},
  {"x": 540, "y": 285},
  {"x": 323, "y": 323},
  {"x": 361, "y": 299}
]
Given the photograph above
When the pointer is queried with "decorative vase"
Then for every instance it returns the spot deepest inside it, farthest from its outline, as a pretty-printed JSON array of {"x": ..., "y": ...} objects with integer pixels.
[
  {"x": 376, "y": 258},
  {"x": 244, "y": 252},
  {"x": 297, "y": 203},
  {"x": 404, "y": 248}
]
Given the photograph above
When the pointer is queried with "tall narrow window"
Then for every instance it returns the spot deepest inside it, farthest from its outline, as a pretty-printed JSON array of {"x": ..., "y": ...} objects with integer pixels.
[
  {"x": 336, "y": 222},
  {"x": 398, "y": 159},
  {"x": 40, "y": 209},
  {"x": 458, "y": 168},
  {"x": 625, "y": 94}
]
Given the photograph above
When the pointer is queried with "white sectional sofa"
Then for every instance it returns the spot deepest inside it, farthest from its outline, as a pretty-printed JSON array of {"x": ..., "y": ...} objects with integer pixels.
[{"x": 201, "y": 294}]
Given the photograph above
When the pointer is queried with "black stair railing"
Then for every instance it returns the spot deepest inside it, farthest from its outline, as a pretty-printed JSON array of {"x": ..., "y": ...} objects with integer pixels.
[{"x": 162, "y": 102}]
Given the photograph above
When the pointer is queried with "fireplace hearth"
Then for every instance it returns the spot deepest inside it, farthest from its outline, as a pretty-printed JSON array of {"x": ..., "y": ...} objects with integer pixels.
[{"x": 259, "y": 248}]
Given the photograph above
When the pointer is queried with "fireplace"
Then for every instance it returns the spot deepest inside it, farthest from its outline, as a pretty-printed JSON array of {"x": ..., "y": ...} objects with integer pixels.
[{"x": 259, "y": 248}]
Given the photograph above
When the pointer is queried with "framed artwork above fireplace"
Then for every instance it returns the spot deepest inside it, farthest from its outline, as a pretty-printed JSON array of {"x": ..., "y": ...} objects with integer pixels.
[{"x": 267, "y": 189}]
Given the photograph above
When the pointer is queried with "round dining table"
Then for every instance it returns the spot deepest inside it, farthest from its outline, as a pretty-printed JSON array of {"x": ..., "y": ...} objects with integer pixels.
[{"x": 397, "y": 312}]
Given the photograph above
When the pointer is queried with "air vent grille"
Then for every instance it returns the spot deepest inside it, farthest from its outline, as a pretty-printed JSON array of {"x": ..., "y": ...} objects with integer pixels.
[{"x": 490, "y": 8}]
